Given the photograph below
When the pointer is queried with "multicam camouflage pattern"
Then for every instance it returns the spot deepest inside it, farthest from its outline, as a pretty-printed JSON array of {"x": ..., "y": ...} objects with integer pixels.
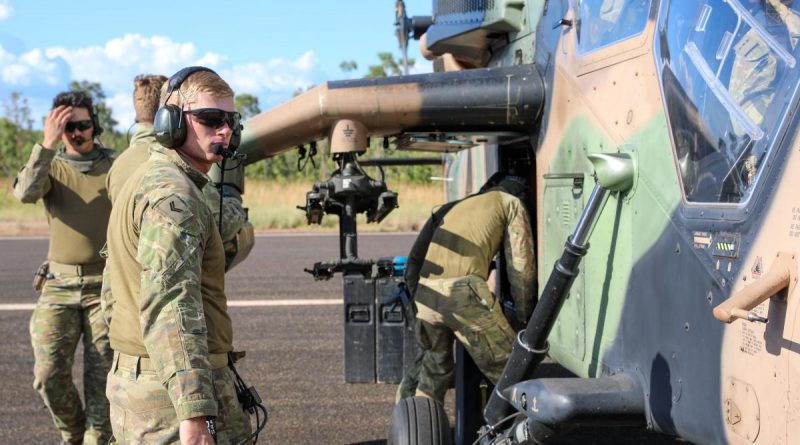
[
  {"x": 470, "y": 235},
  {"x": 520, "y": 258},
  {"x": 174, "y": 316},
  {"x": 233, "y": 214},
  {"x": 72, "y": 188},
  {"x": 69, "y": 308},
  {"x": 466, "y": 308},
  {"x": 143, "y": 413}
]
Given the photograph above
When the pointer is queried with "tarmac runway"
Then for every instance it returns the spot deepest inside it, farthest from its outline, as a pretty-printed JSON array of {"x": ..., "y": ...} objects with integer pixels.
[{"x": 290, "y": 326}]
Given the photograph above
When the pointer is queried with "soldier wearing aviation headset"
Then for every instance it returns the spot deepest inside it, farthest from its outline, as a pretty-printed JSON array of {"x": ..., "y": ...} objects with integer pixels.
[
  {"x": 172, "y": 378},
  {"x": 67, "y": 171}
]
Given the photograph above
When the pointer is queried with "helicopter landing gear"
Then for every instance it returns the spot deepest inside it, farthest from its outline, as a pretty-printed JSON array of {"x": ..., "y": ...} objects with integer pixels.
[{"x": 419, "y": 421}]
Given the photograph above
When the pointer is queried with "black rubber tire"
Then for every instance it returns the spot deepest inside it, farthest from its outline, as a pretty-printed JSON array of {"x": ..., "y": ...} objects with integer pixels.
[{"x": 419, "y": 421}]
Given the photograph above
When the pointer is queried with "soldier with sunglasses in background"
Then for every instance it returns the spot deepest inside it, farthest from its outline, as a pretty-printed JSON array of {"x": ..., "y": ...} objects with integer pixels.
[
  {"x": 172, "y": 379},
  {"x": 68, "y": 171}
]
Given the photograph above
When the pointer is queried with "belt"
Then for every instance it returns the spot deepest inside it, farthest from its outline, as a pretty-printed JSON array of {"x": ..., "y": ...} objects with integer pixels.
[
  {"x": 77, "y": 269},
  {"x": 136, "y": 363}
]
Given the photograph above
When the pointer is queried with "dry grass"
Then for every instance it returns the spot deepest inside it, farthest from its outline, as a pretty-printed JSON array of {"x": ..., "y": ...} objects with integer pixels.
[
  {"x": 17, "y": 218},
  {"x": 272, "y": 207}
]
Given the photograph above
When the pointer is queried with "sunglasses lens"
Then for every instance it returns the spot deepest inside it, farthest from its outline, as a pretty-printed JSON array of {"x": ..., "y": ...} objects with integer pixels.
[
  {"x": 79, "y": 125},
  {"x": 215, "y": 118}
]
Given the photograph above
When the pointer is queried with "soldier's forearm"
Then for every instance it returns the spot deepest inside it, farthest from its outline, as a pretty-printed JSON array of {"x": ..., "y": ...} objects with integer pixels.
[
  {"x": 32, "y": 182},
  {"x": 233, "y": 217},
  {"x": 175, "y": 339}
]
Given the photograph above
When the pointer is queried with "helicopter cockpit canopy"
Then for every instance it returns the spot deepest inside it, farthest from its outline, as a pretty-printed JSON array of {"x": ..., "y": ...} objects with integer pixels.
[{"x": 728, "y": 88}]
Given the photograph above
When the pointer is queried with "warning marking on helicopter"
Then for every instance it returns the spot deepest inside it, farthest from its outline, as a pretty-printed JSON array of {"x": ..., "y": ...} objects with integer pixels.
[
  {"x": 752, "y": 343},
  {"x": 231, "y": 303},
  {"x": 726, "y": 245},
  {"x": 794, "y": 228}
]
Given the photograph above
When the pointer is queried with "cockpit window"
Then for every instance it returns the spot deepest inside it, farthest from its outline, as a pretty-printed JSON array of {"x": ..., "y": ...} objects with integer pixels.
[
  {"x": 603, "y": 22},
  {"x": 728, "y": 77}
]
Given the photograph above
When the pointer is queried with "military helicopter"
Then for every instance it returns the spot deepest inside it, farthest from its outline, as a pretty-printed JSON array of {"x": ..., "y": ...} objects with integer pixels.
[{"x": 663, "y": 136}]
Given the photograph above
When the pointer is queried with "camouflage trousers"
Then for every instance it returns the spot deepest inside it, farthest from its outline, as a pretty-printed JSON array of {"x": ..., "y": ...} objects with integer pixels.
[
  {"x": 142, "y": 412},
  {"x": 464, "y": 308},
  {"x": 68, "y": 308}
]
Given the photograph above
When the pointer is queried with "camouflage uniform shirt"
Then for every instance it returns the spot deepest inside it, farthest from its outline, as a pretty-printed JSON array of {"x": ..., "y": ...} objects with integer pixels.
[
  {"x": 467, "y": 238},
  {"x": 71, "y": 187},
  {"x": 167, "y": 280},
  {"x": 233, "y": 214}
]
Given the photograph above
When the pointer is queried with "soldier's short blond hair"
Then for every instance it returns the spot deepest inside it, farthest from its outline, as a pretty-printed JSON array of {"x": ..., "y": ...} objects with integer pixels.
[
  {"x": 198, "y": 82},
  {"x": 146, "y": 96}
]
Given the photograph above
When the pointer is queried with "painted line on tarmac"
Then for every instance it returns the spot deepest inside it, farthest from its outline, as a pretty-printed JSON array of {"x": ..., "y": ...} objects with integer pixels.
[
  {"x": 232, "y": 303},
  {"x": 17, "y": 307},
  {"x": 262, "y": 303},
  {"x": 329, "y": 234}
]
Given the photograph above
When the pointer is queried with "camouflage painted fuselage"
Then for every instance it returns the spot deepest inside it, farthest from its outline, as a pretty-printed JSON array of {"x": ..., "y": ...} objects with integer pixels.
[
  {"x": 690, "y": 234},
  {"x": 703, "y": 97},
  {"x": 666, "y": 253}
]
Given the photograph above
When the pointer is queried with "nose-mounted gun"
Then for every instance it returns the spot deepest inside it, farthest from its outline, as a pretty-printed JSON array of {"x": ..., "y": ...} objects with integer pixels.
[{"x": 348, "y": 192}]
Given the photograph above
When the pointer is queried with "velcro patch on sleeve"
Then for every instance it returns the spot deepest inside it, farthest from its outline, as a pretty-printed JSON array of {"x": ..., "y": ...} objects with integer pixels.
[{"x": 174, "y": 208}]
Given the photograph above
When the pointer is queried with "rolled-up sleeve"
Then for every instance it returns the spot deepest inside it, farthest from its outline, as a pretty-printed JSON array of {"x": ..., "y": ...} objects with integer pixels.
[
  {"x": 33, "y": 181},
  {"x": 520, "y": 261}
]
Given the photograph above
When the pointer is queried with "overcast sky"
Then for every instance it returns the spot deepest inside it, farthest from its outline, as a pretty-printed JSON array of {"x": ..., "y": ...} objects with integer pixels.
[{"x": 267, "y": 48}]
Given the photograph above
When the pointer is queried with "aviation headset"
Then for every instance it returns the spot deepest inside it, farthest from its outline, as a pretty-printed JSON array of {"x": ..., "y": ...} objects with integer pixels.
[
  {"x": 169, "y": 123},
  {"x": 98, "y": 130}
]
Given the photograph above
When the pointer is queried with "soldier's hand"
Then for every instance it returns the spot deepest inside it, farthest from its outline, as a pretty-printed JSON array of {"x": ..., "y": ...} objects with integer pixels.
[
  {"x": 54, "y": 125},
  {"x": 195, "y": 432}
]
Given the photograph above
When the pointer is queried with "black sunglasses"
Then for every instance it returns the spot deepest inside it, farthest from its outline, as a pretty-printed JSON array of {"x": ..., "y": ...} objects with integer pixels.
[
  {"x": 216, "y": 118},
  {"x": 80, "y": 125}
]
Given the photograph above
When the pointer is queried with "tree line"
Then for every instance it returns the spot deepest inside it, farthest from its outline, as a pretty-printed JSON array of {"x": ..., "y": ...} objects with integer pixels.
[{"x": 18, "y": 136}]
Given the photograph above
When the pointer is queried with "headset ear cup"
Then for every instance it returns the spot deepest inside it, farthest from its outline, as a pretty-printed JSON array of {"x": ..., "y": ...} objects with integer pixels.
[
  {"x": 169, "y": 126},
  {"x": 98, "y": 130}
]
